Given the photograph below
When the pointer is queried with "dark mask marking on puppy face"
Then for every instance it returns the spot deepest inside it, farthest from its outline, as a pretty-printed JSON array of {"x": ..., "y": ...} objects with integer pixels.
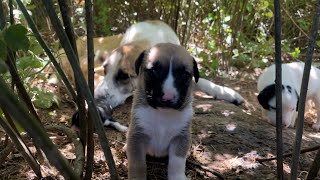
[
  {"x": 156, "y": 70},
  {"x": 269, "y": 92},
  {"x": 265, "y": 95}
]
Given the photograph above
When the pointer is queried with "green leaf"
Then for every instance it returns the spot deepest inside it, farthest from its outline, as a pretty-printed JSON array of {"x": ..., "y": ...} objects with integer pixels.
[
  {"x": 29, "y": 61},
  {"x": 35, "y": 46},
  {"x": 42, "y": 98},
  {"x": 16, "y": 37},
  {"x": 296, "y": 52}
]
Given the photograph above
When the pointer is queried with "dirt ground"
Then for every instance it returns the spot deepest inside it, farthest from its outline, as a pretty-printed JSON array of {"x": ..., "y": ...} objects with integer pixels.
[{"x": 225, "y": 138}]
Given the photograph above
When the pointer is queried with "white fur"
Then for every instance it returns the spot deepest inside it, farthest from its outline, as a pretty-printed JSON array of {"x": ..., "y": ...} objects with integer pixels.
[
  {"x": 161, "y": 126},
  {"x": 156, "y": 32},
  {"x": 176, "y": 168},
  {"x": 116, "y": 125},
  {"x": 169, "y": 90},
  {"x": 218, "y": 92},
  {"x": 292, "y": 76}
]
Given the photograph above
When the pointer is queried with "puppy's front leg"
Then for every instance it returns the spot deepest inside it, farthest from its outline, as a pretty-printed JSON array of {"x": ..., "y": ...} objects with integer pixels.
[
  {"x": 136, "y": 153},
  {"x": 177, "y": 157}
]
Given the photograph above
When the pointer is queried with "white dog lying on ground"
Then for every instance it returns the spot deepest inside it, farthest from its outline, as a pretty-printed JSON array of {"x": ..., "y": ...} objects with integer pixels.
[
  {"x": 291, "y": 83},
  {"x": 121, "y": 79}
]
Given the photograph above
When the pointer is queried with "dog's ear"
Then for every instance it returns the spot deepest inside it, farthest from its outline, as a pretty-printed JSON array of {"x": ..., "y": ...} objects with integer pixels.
[
  {"x": 195, "y": 71},
  {"x": 139, "y": 61},
  {"x": 265, "y": 95},
  {"x": 297, "y": 100}
]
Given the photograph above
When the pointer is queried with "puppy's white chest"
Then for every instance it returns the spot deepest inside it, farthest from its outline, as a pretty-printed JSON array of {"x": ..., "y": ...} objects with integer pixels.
[{"x": 161, "y": 126}]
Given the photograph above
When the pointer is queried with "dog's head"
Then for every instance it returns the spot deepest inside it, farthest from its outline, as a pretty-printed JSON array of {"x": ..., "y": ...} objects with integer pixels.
[
  {"x": 120, "y": 76},
  {"x": 165, "y": 76},
  {"x": 290, "y": 100}
]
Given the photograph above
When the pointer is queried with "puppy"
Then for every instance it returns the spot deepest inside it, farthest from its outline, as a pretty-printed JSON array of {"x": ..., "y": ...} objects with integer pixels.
[
  {"x": 119, "y": 66},
  {"x": 291, "y": 84},
  {"x": 162, "y": 110}
]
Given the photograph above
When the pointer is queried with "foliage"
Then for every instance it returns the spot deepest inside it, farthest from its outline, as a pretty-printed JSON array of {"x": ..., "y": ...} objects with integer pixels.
[{"x": 29, "y": 62}]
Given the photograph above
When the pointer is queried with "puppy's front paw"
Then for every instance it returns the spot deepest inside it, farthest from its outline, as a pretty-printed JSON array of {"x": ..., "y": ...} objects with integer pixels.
[
  {"x": 177, "y": 177},
  {"x": 316, "y": 126}
]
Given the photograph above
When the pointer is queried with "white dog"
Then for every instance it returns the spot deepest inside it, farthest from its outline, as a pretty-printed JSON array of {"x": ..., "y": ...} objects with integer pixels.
[
  {"x": 291, "y": 84},
  {"x": 121, "y": 79}
]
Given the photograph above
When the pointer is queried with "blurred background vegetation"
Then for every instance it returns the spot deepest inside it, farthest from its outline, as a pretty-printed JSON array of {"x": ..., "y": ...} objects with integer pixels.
[
  {"x": 222, "y": 33},
  {"x": 226, "y": 36}
]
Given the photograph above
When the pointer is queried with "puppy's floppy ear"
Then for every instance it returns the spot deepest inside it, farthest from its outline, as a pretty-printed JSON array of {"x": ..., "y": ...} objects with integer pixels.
[
  {"x": 195, "y": 71},
  {"x": 265, "y": 95},
  {"x": 139, "y": 61},
  {"x": 297, "y": 100}
]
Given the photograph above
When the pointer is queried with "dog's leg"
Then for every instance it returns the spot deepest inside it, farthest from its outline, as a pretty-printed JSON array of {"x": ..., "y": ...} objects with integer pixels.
[
  {"x": 177, "y": 157},
  {"x": 316, "y": 126},
  {"x": 219, "y": 92},
  {"x": 293, "y": 120},
  {"x": 136, "y": 154}
]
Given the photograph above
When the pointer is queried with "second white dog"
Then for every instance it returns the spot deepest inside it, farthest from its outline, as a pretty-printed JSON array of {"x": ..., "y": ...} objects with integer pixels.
[{"x": 291, "y": 84}]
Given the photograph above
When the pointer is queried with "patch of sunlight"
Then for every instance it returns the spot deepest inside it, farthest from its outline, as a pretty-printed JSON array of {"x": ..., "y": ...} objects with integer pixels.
[
  {"x": 53, "y": 113},
  {"x": 231, "y": 127},
  {"x": 225, "y": 162},
  {"x": 204, "y": 107},
  {"x": 306, "y": 138},
  {"x": 314, "y": 135},
  {"x": 227, "y": 113},
  {"x": 64, "y": 118},
  {"x": 202, "y": 95},
  {"x": 286, "y": 167}
]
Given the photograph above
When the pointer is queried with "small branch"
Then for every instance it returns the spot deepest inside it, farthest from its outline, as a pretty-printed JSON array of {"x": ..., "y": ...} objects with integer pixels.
[
  {"x": 5, "y": 152},
  {"x": 220, "y": 176},
  {"x": 290, "y": 154},
  {"x": 294, "y": 22},
  {"x": 278, "y": 88},
  {"x": 36, "y": 131},
  {"x": 90, "y": 125},
  {"x": 73, "y": 59},
  {"x": 43, "y": 44},
  {"x": 22, "y": 148},
  {"x": 79, "y": 161},
  {"x": 303, "y": 92}
]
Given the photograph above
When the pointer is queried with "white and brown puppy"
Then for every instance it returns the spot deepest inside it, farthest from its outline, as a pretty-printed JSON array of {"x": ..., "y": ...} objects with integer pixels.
[
  {"x": 162, "y": 110},
  {"x": 291, "y": 84},
  {"x": 121, "y": 79}
]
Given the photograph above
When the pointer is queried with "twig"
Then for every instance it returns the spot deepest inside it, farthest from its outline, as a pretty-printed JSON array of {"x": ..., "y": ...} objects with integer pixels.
[
  {"x": 36, "y": 131},
  {"x": 278, "y": 89},
  {"x": 79, "y": 161},
  {"x": 303, "y": 92},
  {"x": 44, "y": 46},
  {"x": 21, "y": 146},
  {"x": 290, "y": 154},
  {"x": 5, "y": 152},
  {"x": 90, "y": 123},
  {"x": 220, "y": 176},
  {"x": 286, "y": 12},
  {"x": 84, "y": 88}
]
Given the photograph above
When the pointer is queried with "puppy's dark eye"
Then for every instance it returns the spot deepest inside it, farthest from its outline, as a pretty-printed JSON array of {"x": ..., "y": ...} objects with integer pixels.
[
  {"x": 273, "y": 108},
  {"x": 121, "y": 76}
]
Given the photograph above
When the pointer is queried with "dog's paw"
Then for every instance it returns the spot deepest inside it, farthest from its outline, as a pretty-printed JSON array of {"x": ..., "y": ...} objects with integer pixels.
[
  {"x": 177, "y": 177},
  {"x": 316, "y": 126},
  {"x": 119, "y": 127}
]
